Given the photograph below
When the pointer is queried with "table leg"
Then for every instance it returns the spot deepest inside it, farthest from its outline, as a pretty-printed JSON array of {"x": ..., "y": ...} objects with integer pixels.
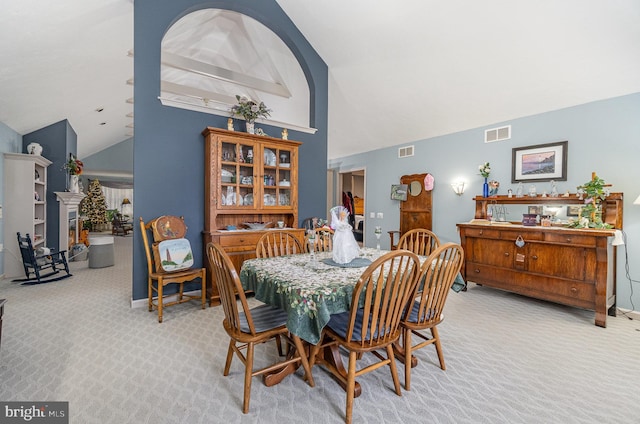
[
  {"x": 331, "y": 355},
  {"x": 398, "y": 352},
  {"x": 275, "y": 377}
]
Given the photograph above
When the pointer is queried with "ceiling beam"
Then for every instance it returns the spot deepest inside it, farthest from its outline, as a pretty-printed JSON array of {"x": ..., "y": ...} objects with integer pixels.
[{"x": 222, "y": 74}]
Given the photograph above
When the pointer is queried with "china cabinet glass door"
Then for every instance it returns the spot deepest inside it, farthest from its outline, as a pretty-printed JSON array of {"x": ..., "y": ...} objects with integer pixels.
[{"x": 237, "y": 185}]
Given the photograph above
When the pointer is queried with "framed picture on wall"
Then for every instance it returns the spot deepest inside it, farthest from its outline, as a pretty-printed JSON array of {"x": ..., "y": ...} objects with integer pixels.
[
  {"x": 535, "y": 210},
  {"x": 543, "y": 162},
  {"x": 399, "y": 192}
]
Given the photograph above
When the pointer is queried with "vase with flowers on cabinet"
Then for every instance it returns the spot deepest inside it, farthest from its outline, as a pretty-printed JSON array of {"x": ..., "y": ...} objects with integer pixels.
[
  {"x": 485, "y": 170},
  {"x": 250, "y": 110}
]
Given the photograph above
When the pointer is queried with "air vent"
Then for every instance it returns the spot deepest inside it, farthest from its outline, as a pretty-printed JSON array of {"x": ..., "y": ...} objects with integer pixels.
[
  {"x": 497, "y": 134},
  {"x": 405, "y": 152}
]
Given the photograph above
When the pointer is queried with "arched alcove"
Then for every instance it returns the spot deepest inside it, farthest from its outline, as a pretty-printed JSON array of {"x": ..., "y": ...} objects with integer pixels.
[{"x": 211, "y": 55}]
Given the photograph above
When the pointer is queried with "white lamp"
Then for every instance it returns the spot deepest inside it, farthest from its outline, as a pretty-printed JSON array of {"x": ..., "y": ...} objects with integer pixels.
[{"x": 458, "y": 187}]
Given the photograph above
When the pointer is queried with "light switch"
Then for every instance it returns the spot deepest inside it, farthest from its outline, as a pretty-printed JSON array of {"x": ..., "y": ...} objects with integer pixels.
[
  {"x": 380, "y": 215},
  {"x": 372, "y": 215}
]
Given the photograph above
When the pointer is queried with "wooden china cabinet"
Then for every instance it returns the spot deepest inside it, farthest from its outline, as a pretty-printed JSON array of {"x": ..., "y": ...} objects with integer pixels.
[
  {"x": 248, "y": 178},
  {"x": 574, "y": 267}
]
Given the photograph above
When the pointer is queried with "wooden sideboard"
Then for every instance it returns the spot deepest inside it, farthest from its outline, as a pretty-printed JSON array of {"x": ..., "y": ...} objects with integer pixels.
[
  {"x": 248, "y": 178},
  {"x": 574, "y": 267}
]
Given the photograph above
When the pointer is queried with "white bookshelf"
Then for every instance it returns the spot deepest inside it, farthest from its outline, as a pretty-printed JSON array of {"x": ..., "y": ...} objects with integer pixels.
[{"x": 25, "y": 206}]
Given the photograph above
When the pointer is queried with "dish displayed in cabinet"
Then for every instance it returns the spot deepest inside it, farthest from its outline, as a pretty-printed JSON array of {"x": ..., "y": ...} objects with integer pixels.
[
  {"x": 269, "y": 157},
  {"x": 226, "y": 176},
  {"x": 269, "y": 200}
]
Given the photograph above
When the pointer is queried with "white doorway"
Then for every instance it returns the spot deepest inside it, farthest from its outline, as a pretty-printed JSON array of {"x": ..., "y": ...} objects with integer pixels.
[{"x": 351, "y": 194}]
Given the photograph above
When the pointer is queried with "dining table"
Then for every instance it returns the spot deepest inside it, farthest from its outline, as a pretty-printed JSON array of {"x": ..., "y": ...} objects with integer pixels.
[{"x": 310, "y": 288}]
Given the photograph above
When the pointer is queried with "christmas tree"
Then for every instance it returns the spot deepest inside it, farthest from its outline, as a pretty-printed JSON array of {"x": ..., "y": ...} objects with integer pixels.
[{"x": 94, "y": 206}]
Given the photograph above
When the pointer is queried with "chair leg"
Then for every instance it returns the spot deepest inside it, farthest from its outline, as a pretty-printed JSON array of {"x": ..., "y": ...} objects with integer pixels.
[
  {"x": 203, "y": 291},
  {"x": 279, "y": 345},
  {"x": 181, "y": 292},
  {"x": 160, "y": 299},
  {"x": 227, "y": 364},
  {"x": 436, "y": 337},
  {"x": 351, "y": 385},
  {"x": 394, "y": 369},
  {"x": 406, "y": 345},
  {"x": 150, "y": 291},
  {"x": 248, "y": 371}
]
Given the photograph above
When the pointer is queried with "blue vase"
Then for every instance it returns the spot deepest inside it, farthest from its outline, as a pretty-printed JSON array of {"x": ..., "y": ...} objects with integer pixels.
[{"x": 485, "y": 188}]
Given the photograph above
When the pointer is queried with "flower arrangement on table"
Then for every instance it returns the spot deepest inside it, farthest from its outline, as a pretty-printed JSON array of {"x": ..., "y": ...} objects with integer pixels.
[
  {"x": 485, "y": 169},
  {"x": 249, "y": 109},
  {"x": 73, "y": 166}
]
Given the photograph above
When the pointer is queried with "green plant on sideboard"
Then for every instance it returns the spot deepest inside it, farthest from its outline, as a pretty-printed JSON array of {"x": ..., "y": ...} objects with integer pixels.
[{"x": 591, "y": 213}]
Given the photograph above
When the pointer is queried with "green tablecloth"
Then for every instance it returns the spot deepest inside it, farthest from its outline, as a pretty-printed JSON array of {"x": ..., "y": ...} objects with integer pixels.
[{"x": 308, "y": 291}]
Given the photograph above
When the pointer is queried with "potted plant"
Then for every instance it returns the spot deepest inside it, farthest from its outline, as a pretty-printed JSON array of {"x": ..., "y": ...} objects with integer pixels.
[
  {"x": 250, "y": 111},
  {"x": 591, "y": 212}
]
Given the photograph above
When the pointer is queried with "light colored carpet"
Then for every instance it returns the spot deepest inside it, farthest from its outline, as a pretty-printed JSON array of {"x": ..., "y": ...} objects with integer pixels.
[{"x": 509, "y": 359}]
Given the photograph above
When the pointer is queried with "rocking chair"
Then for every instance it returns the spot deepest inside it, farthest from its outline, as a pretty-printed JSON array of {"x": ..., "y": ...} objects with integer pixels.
[{"x": 35, "y": 264}]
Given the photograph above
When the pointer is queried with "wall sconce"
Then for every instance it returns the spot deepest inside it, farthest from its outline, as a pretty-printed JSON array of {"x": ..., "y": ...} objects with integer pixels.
[
  {"x": 458, "y": 187},
  {"x": 637, "y": 201}
]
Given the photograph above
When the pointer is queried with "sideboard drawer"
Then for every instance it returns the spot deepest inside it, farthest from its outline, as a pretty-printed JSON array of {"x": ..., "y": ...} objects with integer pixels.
[
  {"x": 526, "y": 235},
  {"x": 244, "y": 239},
  {"x": 572, "y": 239},
  {"x": 483, "y": 232}
]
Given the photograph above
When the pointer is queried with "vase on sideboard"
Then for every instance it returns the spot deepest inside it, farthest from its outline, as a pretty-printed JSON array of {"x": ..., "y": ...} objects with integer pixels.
[{"x": 485, "y": 188}]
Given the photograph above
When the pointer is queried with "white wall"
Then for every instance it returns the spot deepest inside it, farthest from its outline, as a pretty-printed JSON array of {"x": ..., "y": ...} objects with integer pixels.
[{"x": 603, "y": 136}]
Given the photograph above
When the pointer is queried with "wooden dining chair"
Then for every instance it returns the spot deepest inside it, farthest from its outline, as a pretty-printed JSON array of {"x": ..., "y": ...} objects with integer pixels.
[
  {"x": 322, "y": 241},
  {"x": 159, "y": 273},
  {"x": 373, "y": 321},
  {"x": 437, "y": 275},
  {"x": 278, "y": 243},
  {"x": 249, "y": 327},
  {"x": 419, "y": 241}
]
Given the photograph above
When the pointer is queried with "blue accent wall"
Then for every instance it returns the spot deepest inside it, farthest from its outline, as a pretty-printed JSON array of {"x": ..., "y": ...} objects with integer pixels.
[
  {"x": 168, "y": 148},
  {"x": 603, "y": 136},
  {"x": 118, "y": 157},
  {"x": 57, "y": 141}
]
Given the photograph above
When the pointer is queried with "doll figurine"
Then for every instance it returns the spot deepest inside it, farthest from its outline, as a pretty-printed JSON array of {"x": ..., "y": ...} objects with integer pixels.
[{"x": 345, "y": 246}]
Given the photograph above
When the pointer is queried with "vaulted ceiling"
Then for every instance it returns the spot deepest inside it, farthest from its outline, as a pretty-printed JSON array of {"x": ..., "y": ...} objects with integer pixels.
[{"x": 398, "y": 71}]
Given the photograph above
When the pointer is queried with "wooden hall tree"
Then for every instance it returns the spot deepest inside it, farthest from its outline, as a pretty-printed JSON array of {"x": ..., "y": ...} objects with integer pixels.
[{"x": 416, "y": 211}]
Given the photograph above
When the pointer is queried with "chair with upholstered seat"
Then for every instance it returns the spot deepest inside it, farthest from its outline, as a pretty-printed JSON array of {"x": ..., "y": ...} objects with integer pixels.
[
  {"x": 169, "y": 261},
  {"x": 419, "y": 241},
  {"x": 250, "y": 327},
  {"x": 437, "y": 275},
  {"x": 373, "y": 321},
  {"x": 278, "y": 243}
]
